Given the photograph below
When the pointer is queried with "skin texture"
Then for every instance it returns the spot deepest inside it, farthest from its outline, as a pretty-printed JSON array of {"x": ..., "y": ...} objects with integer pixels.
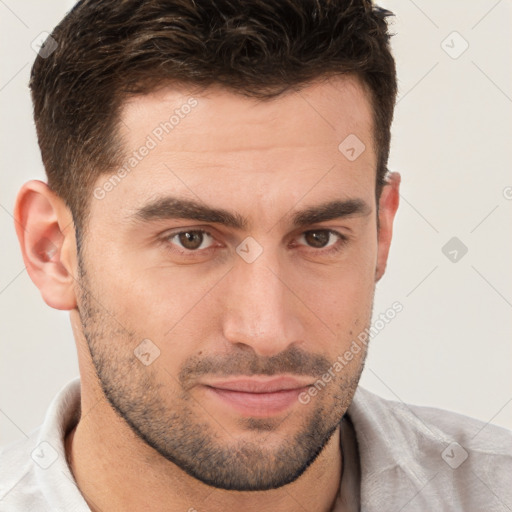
[{"x": 153, "y": 437}]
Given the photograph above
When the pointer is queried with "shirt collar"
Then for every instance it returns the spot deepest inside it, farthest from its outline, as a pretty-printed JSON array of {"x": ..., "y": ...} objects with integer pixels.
[
  {"x": 390, "y": 438},
  {"x": 52, "y": 471}
]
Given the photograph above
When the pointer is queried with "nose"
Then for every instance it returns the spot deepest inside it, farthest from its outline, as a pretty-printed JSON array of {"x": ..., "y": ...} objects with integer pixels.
[{"x": 261, "y": 312}]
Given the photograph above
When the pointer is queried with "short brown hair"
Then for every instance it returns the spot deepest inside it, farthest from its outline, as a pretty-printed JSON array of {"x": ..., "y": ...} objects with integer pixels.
[{"x": 108, "y": 50}]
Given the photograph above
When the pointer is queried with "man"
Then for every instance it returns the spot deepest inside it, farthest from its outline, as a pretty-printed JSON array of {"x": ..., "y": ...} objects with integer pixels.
[{"x": 217, "y": 214}]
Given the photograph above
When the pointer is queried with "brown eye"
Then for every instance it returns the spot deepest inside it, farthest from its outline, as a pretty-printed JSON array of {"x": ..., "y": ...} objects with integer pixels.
[
  {"x": 317, "y": 239},
  {"x": 324, "y": 241},
  {"x": 191, "y": 240}
]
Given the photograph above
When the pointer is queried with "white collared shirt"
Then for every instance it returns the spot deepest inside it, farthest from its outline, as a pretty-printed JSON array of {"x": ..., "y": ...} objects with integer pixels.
[{"x": 406, "y": 458}]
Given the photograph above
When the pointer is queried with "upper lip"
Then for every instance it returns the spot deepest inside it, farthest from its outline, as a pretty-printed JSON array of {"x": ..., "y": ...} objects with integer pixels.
[{"x": 260, "y": 385}]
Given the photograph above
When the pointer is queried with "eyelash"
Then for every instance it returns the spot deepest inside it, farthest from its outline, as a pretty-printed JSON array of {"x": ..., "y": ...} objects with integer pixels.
[{"x": 343, "y": 240}]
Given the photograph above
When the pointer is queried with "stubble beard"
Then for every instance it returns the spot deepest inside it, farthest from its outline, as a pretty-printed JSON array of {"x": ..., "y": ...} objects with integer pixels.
[{"x": 167, "y": 418}]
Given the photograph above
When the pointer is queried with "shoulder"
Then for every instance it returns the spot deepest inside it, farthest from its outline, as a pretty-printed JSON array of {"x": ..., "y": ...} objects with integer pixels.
[
  {"x": 440, "y": 457},
  {"x": 435, "y": 423}
]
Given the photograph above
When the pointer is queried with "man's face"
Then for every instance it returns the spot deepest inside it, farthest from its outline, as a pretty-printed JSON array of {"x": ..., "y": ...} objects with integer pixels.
[{"x": 234, "y": 329}]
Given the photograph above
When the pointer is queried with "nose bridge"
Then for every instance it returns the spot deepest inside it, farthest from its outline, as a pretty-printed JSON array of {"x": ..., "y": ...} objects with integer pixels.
[{"x": 259, "y": 309}]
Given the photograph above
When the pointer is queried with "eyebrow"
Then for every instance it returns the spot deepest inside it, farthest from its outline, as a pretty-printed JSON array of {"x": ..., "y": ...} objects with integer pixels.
[{"x": 177, "y": 208}]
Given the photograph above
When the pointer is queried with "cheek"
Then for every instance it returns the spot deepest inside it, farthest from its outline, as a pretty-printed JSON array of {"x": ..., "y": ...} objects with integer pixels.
[
  {"x": 354, "y": 273},
  {"x": 343, "y": 297},
  {"x": 345, "y": 306},
  {"x": 170, "y": 306}
]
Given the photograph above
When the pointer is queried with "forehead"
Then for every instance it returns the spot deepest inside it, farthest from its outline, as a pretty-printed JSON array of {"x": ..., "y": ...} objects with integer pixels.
[
  {"x": 217, "y": 119},
  {"x": 261, "y": 156}
]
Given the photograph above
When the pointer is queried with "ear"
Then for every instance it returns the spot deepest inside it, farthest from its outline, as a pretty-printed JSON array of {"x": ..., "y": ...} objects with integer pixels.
[
  {"x": 388, "y": 205},
  {"x": 45, "y": 230}
]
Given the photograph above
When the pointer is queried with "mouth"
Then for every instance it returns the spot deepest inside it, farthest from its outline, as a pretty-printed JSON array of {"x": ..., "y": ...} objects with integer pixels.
[{"x": 257, "y": 397}]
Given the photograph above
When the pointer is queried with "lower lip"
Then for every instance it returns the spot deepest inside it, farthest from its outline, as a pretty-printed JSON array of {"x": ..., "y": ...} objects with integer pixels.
[{"x": 257, "y": 404}]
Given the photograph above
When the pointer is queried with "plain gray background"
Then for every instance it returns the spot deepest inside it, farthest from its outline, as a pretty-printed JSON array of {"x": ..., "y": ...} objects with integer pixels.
[{"x": 452, "y": 136}]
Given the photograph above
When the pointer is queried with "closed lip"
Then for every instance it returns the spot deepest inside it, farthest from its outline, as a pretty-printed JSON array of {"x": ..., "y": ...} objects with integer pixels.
[{"x": 253, "y": 385}]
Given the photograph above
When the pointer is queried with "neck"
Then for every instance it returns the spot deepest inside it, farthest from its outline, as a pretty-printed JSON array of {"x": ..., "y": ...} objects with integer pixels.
[{"x": 116, "y": 470}]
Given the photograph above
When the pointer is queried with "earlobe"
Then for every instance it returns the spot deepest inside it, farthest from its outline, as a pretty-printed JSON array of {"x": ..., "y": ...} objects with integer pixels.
[
  {"x": 388, "y": 205},
  {"x": 44, "y": 225}
]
